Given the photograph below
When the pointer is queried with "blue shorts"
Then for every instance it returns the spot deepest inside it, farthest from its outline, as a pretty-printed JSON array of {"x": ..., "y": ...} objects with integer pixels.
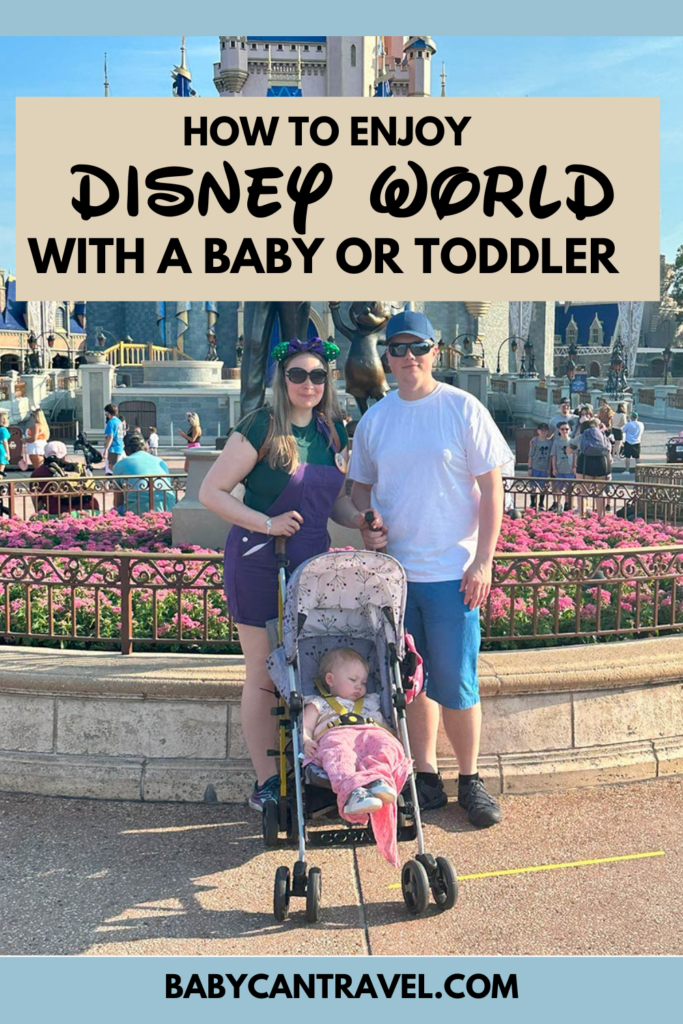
[{"x": 448, "y": 635}]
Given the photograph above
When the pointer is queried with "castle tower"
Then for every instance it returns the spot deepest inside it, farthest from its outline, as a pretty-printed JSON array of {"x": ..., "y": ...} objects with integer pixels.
[
  {"x": 230, "y": 75},
  {"x": 351, "y": 65},
  {"x": 419, "y": 51}
]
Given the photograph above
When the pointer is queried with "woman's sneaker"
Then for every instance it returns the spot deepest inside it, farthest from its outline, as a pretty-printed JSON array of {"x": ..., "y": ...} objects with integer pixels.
[
  {"x": 270, "y": 790},
  {"x": 482, "y": 809},
  {"x": 361, "y": 801},
  {"x": 383, "y": 791}
]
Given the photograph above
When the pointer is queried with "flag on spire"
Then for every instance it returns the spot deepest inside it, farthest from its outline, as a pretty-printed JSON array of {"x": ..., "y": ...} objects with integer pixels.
[{"x": 182, "y": 79}]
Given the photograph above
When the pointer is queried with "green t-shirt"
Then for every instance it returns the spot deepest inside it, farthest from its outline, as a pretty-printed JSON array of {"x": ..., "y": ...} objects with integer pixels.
[{"x": 265, "y": 485}]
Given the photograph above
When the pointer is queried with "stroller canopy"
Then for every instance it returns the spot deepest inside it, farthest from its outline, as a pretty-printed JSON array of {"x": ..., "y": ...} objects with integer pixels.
[{"x": 354, "y": 593}]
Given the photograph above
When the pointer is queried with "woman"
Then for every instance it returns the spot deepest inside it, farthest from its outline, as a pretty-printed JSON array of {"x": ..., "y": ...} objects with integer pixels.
[
  {"x": 594, "y": 450},
  {"x": 4, "y": 442},
  {"x": 618, "y": 423},
  {"x": 292, "y": 460},
  {"x": 194, "y": 434},
  {"x": 56, "y": 467},
  {"x": 37, "y": 436}
]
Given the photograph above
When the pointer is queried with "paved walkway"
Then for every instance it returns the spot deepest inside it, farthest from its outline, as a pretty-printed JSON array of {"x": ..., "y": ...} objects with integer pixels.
[{"x": 95, "y": 878}]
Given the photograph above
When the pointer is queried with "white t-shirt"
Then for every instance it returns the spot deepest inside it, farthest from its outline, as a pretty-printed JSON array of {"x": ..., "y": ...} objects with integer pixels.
[
  {"x": 153, "y": 440},
  {"x": 422, "y": 458},
  {"x": 633, "y": 431}
]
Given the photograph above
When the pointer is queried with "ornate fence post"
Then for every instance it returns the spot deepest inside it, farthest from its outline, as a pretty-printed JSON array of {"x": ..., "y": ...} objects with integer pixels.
[{"x": 126, "y": 606}]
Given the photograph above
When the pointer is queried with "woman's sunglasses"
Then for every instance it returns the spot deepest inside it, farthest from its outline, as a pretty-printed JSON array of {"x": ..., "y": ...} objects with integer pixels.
[
  {"x": 418, "y": 348},
  {"x": 298, "y": 375}
]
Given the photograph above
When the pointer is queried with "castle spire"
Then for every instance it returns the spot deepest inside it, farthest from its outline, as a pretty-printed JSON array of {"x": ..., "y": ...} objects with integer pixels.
[
  {"x": 182, "y": 79},
  {"x": 106, "y": 78},
  {"x": 443, "y": 80}
]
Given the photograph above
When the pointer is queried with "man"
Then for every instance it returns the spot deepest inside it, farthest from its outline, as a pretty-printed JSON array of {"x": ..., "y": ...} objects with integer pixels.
[
  {"x": 633, "y": 435},
  {"x": 563, "y": 416},
  {"x": 428, "y": 458},
  {"x": 139, "y": 463},
  {"x": 113, "y": 438}
]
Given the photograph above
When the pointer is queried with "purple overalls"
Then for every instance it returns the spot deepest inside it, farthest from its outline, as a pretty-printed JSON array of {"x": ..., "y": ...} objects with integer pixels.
[{"x": 249, "y": 575}]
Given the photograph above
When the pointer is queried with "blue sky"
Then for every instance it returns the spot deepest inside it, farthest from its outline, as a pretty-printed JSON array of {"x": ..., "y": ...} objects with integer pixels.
[{"x": 475, "y": 66}]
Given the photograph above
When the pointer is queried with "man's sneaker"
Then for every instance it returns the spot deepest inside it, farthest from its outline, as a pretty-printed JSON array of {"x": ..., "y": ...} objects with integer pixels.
[
  {"x": 270, "y": 790},
  {"x": 361, "y": 801},
  {"x": 430, "y": 795},
  {"x": 382, "y": 790},
  {"x": 482, "y": 809}
]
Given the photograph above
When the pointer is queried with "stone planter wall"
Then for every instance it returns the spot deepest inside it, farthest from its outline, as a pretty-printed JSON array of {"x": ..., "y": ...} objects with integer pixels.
[{"x": 167, "y": 727}]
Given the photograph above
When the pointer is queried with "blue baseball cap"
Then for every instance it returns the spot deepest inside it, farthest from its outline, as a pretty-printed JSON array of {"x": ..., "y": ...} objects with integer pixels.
[{"x": 410, "y": 321}]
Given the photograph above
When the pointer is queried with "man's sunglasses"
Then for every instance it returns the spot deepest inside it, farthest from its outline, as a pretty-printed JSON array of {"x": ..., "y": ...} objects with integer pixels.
[
  {"x": 298, "y": 375},
  {"x": 418, "y": 348}
]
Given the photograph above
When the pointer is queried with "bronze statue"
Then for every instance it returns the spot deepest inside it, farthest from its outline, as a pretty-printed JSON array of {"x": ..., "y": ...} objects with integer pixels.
[
  {"x": 364, "y": 370},
  {"x": 259, "y": 318}
]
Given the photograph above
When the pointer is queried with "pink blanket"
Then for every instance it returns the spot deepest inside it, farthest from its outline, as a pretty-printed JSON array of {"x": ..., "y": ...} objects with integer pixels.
[{"x": 355, "y": 755}]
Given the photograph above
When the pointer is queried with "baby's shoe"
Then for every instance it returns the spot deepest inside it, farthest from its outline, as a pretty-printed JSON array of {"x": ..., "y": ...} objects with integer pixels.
[
  {"x": 382, "y": 790},
  {"x": 362, "y": 802}
]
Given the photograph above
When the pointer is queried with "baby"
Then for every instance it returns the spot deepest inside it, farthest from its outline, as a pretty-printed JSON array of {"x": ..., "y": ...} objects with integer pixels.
[{"x": 346, "y": 733}]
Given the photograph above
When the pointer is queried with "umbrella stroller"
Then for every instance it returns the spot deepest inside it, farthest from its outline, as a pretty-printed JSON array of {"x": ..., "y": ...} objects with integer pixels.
[{"x": 338, "y": 599}]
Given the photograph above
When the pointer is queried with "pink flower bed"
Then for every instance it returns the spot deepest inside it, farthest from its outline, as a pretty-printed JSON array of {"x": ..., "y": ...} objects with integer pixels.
[{"x": 550, "y": 603}]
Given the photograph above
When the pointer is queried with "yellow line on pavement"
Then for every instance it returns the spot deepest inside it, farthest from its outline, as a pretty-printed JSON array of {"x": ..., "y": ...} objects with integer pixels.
[{"x": 552, "y": 867}]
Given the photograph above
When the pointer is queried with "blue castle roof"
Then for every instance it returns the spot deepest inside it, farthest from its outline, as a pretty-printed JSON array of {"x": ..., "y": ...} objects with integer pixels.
[
  {"x": 14, "y": 316},
  {"x": 584, "y": 315}
]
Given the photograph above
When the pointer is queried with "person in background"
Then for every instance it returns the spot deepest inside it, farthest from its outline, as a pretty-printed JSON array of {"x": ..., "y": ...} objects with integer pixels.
[
  {"x": 597, "y": 460},
  {"x": 153, "y": 441},
  {"x": 565, "y": 415},
  {"x": 140, "y": 465},
  {"x": 194, "y": 433},
  {"x": 37, "y": 436},
  {"x": 71, "y": 498},
  {"x": 539, "y": 461},
  {"x": 4, "y": 442},
  {"x": 633, "y": 435},
  {"x": 605, "y": 414},
  {"x": 618, "y": 424},
  {"x": 113, "y": 438},
  {"x": 563, "y": 464}
]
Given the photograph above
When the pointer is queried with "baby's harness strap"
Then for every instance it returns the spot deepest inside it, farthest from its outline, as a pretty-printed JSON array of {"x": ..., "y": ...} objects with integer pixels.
[{"x": 352, "y": 717}]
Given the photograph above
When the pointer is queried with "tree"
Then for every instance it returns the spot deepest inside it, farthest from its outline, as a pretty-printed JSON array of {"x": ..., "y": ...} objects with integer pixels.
[{"x": 676, "y": 291}]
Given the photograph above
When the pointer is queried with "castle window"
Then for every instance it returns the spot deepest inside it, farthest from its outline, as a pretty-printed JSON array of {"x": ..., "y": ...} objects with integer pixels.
[
  {"x": 60, "y": 319},
  {"x": 265, "y": 46},
  {"x": 412, "y": 56},
  {"x": 305, "y": 49},
  {"x": 232, "y": 44},
  {"x": 222, "y": 44},
  {"x": 353, "y": 55},
  {"x": 279, "y": 46},
  {"x": 427, "y": 55},
  {"x": 253, "y": 46},
  {"x": 319, "y": 49},
  {"x": 293, "y": 47}
]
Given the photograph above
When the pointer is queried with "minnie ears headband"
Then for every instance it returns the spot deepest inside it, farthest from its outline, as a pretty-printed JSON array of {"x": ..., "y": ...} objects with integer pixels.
[{"x": 327, "y": 350}]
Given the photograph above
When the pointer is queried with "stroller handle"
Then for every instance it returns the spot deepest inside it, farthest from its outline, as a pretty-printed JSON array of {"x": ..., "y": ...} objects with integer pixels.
[{"x": 281, "y": 552}]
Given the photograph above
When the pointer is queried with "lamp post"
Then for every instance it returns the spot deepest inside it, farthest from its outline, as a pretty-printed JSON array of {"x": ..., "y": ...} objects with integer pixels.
[
  {"x": 528, "y": 365},
  {"x": 616, "y": 378},
  {"x": 666, "y": 356},
  {"x": 36, "y": 348},
  {"x": 513, "y": 339},
  {"x": 467, "y": 350}
]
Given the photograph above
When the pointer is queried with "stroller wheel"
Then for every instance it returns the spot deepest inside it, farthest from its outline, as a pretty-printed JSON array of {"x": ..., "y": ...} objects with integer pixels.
[
  {"x": 415, "y": 887},
  {"x": 270, "y": 822},
  {"x": 281, "y": 894},
  {"x": 313, "y": 891},
  {"x": 444, "y": 883}
]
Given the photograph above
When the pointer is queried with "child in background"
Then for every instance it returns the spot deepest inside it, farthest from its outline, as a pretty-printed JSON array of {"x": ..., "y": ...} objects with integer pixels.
[
  {"x": 4, "y": 442},
  {"x": 153, "y": 442},
  {"x": 346, "y": 733},
  {"x": 563, "y": 462},
  {"x": 539, "y": 459}
]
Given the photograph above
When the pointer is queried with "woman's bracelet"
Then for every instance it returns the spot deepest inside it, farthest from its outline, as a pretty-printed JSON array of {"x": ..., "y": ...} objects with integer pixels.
[{"x": 269, "y": 526}]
